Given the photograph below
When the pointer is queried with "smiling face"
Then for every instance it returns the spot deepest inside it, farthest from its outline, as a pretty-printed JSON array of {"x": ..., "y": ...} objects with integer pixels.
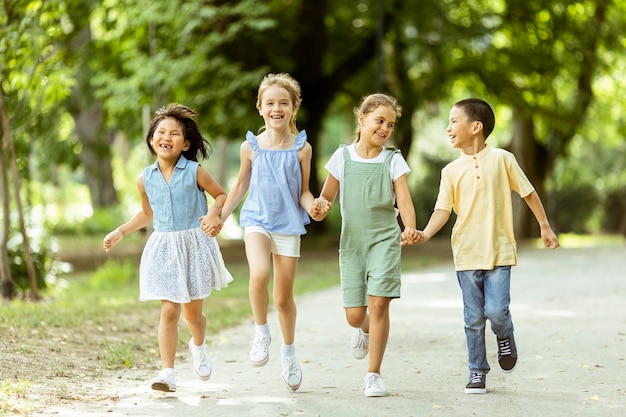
[
  {"x": 168, "y": 141},
  {"x": 377, "y": 126},
  {"x": 462, "y": 131},
  {"x": 276, "y": 108}
]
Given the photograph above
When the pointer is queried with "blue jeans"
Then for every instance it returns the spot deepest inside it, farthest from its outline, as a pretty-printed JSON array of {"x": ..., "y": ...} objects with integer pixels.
[{"x": 486, "y": 295}]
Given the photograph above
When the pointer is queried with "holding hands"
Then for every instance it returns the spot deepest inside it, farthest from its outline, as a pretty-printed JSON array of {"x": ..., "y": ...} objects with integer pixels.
[
  {"x": 411, "y": 236},
  {"x": 211, "y": 224},
  {"x": 320, "y": 208}
]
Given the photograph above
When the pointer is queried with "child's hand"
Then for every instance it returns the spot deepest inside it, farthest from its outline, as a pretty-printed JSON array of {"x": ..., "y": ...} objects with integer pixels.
[
  {"x": 411, "y": 236},
  {"x": 111, "y": 239},
  {"x": 211, "y": 225},
  {"x": 320, "y": 208},
  {"x": 549, "y": 239}
]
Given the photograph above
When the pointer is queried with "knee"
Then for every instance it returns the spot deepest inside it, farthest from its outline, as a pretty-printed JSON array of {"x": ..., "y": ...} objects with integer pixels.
[
  {"x": 356, "y": 317},
  {"x": 497, "y": 313},
  {"x": 284, "y": 302},
  {"x": 170, "y": 312}
]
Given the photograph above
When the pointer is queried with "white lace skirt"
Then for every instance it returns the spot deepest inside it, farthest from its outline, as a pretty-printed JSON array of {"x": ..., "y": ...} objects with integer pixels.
[{"x": 181, "y": 266}]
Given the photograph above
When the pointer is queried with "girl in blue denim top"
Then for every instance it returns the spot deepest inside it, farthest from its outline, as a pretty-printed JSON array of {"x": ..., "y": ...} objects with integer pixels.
[
  {"x": 181, "y": 261},
  {"x": 275, "y": 167}
]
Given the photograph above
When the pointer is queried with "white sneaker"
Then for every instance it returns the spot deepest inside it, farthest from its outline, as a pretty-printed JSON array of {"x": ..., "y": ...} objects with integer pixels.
[
  {"x": 360, "y": 344},
  {"x": 201, "y": 361},
  {"x": 165, "y": 381},
  {"x": 259, "y": 353},
  {"x": 374, "y": 385},
  {"x": 292, "y": 373}
]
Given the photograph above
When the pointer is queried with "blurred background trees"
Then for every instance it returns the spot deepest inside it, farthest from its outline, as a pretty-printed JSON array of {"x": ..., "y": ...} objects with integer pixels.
[{"x": 81, "y": 78}]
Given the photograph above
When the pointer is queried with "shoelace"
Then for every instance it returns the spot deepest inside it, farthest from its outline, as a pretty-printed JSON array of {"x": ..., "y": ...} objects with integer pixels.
[
  {"x": 369, "y": 381},
  {"x": 360, "y": 341},
  {"x": 200, "y": 357},
  {"x": 477, "y": 378},
  {"x": 505, "y": 346},
  {"x": 260, "y": 343},
  {"x": 292, "y": 365}
]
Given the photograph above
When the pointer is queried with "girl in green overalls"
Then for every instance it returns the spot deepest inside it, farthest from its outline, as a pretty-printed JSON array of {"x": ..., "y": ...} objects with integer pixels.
[{"x": 371, "y": 180}]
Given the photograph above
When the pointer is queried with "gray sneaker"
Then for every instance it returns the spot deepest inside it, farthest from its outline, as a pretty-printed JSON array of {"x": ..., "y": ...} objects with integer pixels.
[
  {"x": 477, "y": 384},
  {"x": 507, "y": 354}
]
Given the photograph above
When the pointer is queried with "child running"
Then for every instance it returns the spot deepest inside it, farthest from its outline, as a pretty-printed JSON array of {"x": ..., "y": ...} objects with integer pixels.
[
  {"x": 477, "y": 186},
  {"x": 370, "y": 179},
  {"x": 275, "y": 167},
  {"x": 180, "y": 263}
]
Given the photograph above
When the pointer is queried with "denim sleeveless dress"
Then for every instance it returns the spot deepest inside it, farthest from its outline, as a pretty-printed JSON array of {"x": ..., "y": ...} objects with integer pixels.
[
  {"x": 273, "y": 201},
  {"x": 180, "y": 262}
]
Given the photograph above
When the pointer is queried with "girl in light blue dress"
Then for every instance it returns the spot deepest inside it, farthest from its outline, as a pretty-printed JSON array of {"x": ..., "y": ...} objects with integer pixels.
[
  {"x": 275, "y": 168},
  {"x": 181, "y": 262}
]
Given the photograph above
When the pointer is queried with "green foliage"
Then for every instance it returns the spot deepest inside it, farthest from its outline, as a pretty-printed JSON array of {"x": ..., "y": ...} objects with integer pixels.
[
  {"x": 101, "y": 222},
  {"x": 114, "y": 274},
  {"x": 42, "y": 263}
]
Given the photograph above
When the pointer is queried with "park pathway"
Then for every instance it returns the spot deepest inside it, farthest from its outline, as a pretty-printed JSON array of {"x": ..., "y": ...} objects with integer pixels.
[{"x": 568, "y": 306}]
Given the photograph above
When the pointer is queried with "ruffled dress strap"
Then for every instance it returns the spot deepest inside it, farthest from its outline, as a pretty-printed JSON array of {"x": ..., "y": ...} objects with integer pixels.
[
  {"x": 251, "y": 137},
  {"x": 300, "y": 139}
]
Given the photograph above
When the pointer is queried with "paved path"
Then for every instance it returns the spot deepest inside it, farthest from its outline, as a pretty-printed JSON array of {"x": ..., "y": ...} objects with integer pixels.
[{"x": 568, "y": 306}]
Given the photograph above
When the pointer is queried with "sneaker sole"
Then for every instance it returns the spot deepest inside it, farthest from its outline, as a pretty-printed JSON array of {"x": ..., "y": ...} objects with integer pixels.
[
  {"x": 202, "y": 377},
  {"x": 475, "y": 390},
  {"x": 259, "y": 364},
  {"x": 162, "y": 386},
  {"x": 376, "y": 394}
]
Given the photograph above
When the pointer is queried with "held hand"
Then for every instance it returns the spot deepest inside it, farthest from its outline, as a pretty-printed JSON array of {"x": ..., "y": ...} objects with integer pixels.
[
  {"x": 320, "y": 208},
  {"x": 411, "y": 236},
  {"x": 211, "y": 225},
  {"x": 112, "y": 239}
]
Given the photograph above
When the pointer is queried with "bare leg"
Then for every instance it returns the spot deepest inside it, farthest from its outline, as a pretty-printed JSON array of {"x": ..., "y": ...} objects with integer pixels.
[
  {"x": 196, "y": 320},
  {"x": 258, "y": 254},
  {"x": 285, "y": 268},
  {"x": 379, "y": 331},
  {"x": 168, "y": 332}
]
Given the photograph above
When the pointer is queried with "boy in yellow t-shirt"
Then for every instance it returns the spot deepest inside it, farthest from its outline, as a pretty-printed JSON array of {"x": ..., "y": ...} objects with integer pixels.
[{"x": 477, "y": 186}]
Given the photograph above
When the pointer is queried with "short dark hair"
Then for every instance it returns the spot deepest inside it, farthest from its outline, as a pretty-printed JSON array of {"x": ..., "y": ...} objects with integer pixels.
[{"x": 477, "y": 109}]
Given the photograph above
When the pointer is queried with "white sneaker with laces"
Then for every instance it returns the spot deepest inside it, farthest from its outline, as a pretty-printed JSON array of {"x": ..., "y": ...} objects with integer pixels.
[
  {"x": 201, "y": 361},
  {"x": 259, "y": 352},
  {"x": 374, "y": 385},
  {"x": 165, "y": 381},
  {"x": 360, "y": 344},
  {"x": 292, "y": 373}
]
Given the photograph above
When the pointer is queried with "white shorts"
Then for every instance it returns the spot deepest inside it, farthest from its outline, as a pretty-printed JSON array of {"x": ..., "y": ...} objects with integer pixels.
[{"x": 284, "y": 245}]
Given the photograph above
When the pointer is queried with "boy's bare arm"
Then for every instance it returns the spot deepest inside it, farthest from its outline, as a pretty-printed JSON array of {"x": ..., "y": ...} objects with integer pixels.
[
  {"x": 547, "y": 234},
  {"x": 437, "y": 220}
]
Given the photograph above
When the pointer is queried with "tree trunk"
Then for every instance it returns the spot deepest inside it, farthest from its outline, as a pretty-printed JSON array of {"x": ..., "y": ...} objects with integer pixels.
[
  {"x": 89, "y": 118},
  {"x": 28, "y": 258},
  {"x": 6, "y": 279},
  {"x": 533, "y": 159}
]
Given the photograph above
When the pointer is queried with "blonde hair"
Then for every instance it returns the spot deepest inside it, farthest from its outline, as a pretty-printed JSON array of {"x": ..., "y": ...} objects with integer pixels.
[
  {"x": 371, "y": 103},
  {"x": 287, "y": 82}
]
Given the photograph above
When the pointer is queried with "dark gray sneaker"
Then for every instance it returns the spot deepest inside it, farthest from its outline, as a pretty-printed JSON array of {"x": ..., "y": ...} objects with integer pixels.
[
  {"x": 507, "y": 354},
  {"x": 477, "y": 384}
]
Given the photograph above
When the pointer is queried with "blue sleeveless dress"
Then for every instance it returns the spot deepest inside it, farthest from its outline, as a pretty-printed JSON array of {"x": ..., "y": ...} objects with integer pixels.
[
  {"x": 273, "y": 201},
  {"x": 180, "y": 262}
]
